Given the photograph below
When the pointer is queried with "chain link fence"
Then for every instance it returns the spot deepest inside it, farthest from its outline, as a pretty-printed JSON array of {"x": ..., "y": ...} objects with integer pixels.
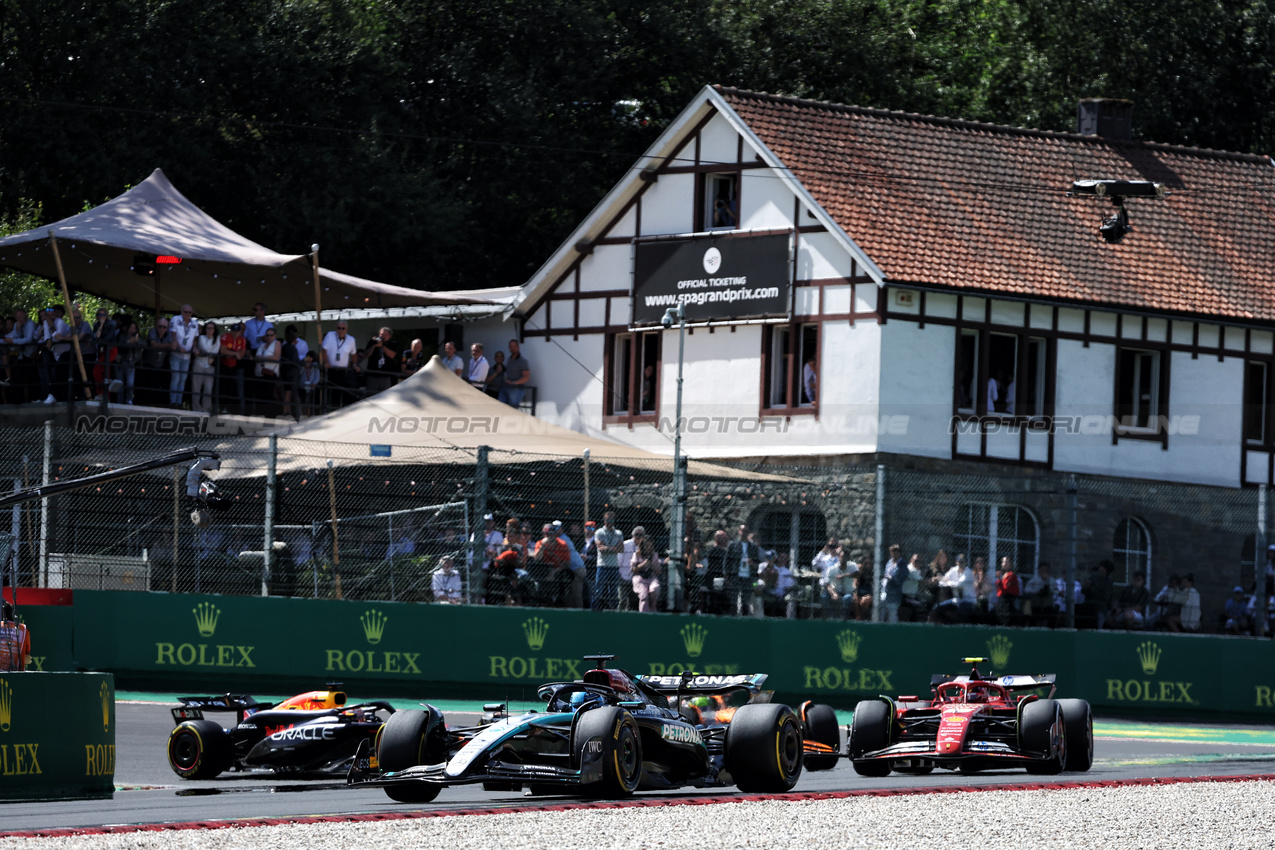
[{"x": 329, "y": 520}]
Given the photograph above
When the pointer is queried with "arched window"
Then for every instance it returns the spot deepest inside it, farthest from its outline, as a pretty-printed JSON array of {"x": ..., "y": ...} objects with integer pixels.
[
  {"x": 994, "y": 531},
  {"x": 797, "y": 533},
  {"x": 1131, "y": 551}
]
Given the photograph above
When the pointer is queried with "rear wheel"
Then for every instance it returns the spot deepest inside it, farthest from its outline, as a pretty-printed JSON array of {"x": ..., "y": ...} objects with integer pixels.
[
  {"x": 404, "y": 743},
  {"x": 199, "y": 749},
  {"x": 619, "y": 747},
  {"x": 869, "y": 732},
  {"x": 1078, "y": 723},
  {"x": 821, "y": 727},
  {"x": 764, "y": 748},
  {"x": 1036, "y": 734}
]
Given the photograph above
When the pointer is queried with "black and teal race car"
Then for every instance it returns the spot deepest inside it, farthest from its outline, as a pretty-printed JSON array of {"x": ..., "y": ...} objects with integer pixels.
[{"x": 608, "y": 734}]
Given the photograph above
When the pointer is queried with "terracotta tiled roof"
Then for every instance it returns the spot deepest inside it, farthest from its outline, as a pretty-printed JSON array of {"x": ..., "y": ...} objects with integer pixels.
[{"x": 949, "y": 203}]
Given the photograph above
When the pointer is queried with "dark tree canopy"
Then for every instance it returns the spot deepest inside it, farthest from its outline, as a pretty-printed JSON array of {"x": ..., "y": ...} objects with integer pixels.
[{"x": 446, "y": 145}]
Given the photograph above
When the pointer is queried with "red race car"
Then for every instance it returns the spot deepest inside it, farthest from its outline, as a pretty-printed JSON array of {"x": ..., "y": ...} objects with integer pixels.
[{"x": 973, "y": 723}]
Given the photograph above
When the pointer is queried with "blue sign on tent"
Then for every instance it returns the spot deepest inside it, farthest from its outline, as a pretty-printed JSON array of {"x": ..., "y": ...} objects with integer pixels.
[{"x": 380, "y": 451}]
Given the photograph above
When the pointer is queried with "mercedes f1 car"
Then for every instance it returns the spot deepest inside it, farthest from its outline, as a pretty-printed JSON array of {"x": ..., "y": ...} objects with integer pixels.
[
  {"x": 608, "y": 734},
  {"x": 973, "y": 723},
  {"x": 311, "y": 732},
  {"x": 713, "y": 701}
]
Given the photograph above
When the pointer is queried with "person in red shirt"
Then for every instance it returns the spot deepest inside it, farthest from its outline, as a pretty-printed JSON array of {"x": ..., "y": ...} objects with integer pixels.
[
  {"x": 1008, "y": 591},
  {"x": 233, "y": 349},
  {"x": 15, "y": 643}
]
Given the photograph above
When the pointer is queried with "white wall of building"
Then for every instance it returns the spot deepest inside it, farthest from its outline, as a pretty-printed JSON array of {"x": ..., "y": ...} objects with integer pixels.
[{"x": 916, "y": 388}]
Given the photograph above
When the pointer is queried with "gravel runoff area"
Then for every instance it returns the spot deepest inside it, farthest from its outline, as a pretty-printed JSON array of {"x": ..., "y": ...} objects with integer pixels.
[{"x": 1177, "y": 816}]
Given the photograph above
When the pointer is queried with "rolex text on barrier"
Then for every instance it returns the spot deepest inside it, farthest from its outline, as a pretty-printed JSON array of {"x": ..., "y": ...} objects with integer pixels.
[
  {"x": 57, "y": 736},
  {"x": 252, "y": 643}
]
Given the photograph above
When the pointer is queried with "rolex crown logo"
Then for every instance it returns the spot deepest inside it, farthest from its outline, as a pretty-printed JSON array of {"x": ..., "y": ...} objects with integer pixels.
[
  {"x": 105, "y": 693},
  {"x": 206, "y": 617},
  {"x": 6, "y": 706},
  {"x": 848, "y": 643},
  {"x": 998, "y": 648},
  {"x": 1149, "y": 657},
  {"x": 693, "y": 637},
  {"x": 535, "y": 629},
  {"x": 373, "y": 625}
]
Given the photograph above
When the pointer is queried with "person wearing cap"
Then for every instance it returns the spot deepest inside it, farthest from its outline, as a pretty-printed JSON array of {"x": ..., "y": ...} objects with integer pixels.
[
  {"x": 1237, "y": 615},
  {"x": 491, "y": 541},
  {"x": 574, "y": 597},
  {"x": 552, "y": 565},
  {"x": 15, "y": 642},
  {"x": 233, "y": 348}
]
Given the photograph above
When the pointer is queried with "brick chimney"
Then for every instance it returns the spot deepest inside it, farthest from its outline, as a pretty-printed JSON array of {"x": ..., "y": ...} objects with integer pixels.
[{"x": 1105, "y": 117}]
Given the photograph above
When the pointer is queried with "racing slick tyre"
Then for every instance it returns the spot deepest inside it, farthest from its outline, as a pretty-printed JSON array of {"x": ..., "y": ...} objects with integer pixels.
[
  {"x": 1078, "y": 723},
  {"x": 1035, "y": 733},
  {"x": 914, "y": 767},
  {"x": 764, "y": 748},
  {"x": 199, "y": 749},
  {"x": 404, "y": 743},
  {"x": 869, "y": 731},
  {"x": 819, "y": 724},
  {"x": 621, "y": 750}
]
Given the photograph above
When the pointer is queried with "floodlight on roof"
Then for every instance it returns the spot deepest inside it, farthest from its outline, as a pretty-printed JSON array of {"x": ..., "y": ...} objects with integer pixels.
[{"x": 1115, "y": 226}]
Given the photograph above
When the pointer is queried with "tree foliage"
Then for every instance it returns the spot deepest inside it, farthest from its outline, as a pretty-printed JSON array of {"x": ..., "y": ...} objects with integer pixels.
[{"x": 450, "y": 144}]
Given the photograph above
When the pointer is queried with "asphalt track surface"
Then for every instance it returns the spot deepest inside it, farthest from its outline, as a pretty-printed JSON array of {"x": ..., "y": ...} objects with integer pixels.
[{"x": 147, "y": 792}]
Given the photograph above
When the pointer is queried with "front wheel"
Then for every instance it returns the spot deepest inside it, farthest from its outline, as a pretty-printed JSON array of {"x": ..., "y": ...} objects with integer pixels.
[
  {"x": 199, "y": 749},
  {"x": 609, "y": 735},
  {"x": 820, "y": 727},
  {"x": 869, "y": 732},
  {"x": 1036, "y": 733},
  {"x": 1078, "y": 723},
  {"x": 413, "y": 792},
  {"x": 403, "y": 742},
  {"x": 764, "y": 748}
]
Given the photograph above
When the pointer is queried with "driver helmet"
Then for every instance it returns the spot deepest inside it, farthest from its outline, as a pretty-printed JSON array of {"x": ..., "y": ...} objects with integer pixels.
[
  {"x": 579, "y": 698},
  {"x": 977, "y": 695},
  {"x": 701, "y": 702}
]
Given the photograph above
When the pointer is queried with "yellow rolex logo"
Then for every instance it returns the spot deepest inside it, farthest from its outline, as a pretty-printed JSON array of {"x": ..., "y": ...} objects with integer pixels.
[
  {"x": 373, "y": 625},
  {"x": 1149, "y": 657},
  {"x": 105, "y": 693},
  {"x": 206, "y": 617},
  {"x": 535, "y": 629},
  {"x": 6, "y": 706},
  {"x": 998, "y": 648},
  {"x": 693, "y": 637},
  {"x": 848, "y": 643}
]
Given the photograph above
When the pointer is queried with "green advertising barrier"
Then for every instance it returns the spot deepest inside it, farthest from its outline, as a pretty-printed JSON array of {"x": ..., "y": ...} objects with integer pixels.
[
  {"x": 57, "y": 736},
  {"x": 226, "y": 643},
  {"x": 51, "y": 627}
]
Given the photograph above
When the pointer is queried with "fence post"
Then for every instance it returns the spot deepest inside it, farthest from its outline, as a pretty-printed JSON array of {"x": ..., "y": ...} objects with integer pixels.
[
  {"x": 878, "y": 545},
  {"x": 1070, "y": 581},
  {"x": 177, "y": 524},
  {"x": 1259, "y": 565},
  {"x": 46, "y": 474},
  {"x": 15, "y": 530},
  {"x": 267, "y": 553},
  {"x": 478, "y": 539}
]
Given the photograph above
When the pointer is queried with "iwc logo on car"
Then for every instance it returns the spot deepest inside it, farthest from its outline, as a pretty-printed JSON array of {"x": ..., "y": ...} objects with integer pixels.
[
  {"x": 1148, "y": 655},
  {"x": 192, "y": 654},
  {"x": 849, "y": 643},
  {"x": 373, "y": 623}
]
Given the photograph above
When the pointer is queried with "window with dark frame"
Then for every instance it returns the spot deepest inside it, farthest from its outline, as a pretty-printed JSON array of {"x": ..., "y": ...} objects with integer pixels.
[
  {"x": 1140, "y": 394},
  {"x": 1001, "y": 373},
  {"x": 1257, "y": 402},
  {"x": 786, "y": 349},
  {"x": 1131, "y": 551},
  {"x": 992, "y": 532},
  {"x": 720, "y": 207},
  {"x": 632, "y": 385}
]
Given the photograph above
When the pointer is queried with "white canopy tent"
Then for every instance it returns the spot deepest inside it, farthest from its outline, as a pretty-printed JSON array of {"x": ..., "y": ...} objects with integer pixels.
[{"x": 220, "y": 272}]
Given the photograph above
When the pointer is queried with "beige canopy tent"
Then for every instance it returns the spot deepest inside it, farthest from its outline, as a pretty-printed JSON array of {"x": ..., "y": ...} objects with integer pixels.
[
  {"x": 220, "y": 272},
  {"x": 436, "y": 417}
]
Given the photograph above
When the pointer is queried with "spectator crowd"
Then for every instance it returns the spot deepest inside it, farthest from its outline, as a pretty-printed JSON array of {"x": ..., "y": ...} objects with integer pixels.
[{"x": 249, "y": 368}]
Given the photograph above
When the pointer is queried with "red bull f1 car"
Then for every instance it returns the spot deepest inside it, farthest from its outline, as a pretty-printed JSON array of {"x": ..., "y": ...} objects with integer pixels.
[
  {"x": 308, "y": 733},
  {"x": 609, "y": 734},
  {"x": 973, "y": 723}
]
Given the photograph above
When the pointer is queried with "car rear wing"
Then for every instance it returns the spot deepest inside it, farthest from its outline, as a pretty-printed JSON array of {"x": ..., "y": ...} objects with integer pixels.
[
  {"x": 1009, "y": 683},
  {"x": 193, "y": 708},
  {"x": 704, "y": 683}
]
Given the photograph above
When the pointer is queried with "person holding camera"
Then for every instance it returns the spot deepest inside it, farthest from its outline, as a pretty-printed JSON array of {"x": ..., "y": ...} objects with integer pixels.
[{"x": 382, "y": 361}]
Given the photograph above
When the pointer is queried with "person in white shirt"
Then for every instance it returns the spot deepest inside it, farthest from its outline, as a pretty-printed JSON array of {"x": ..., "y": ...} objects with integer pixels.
[
  {"x": 478, "y": 367},
  {"x": 185, "y": 329},
  {"x": 203, "y": 367},
  {"x": 960, "y": 583},
  {"x": 339, "y": 355},
  {"x": 446, "y": 583},
  {"x": 451, "y": 359}
]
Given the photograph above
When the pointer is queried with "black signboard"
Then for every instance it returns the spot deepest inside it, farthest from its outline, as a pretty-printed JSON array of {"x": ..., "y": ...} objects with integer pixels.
[{"x": 718, "y": 277}]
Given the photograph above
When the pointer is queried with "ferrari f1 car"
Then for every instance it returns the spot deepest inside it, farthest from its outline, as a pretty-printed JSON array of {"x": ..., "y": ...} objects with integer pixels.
[
  {"x": 973, "y": 723},
  {"x": 608, "y": 734},
  {"x": 311, "y": 732},
  {"x": 713, "y": 701}
]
